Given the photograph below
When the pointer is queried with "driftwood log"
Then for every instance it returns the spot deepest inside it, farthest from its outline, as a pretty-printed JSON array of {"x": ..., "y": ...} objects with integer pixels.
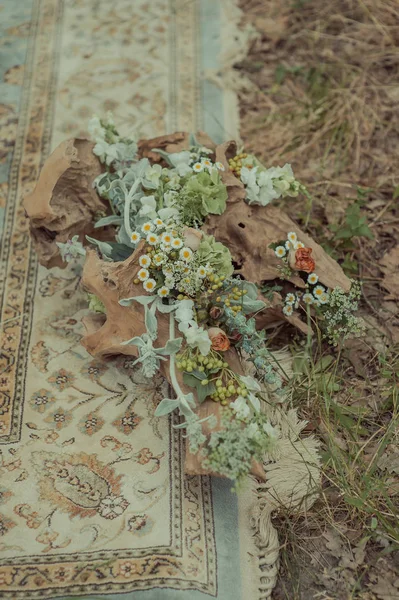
[{"x": 64, "y": 204}]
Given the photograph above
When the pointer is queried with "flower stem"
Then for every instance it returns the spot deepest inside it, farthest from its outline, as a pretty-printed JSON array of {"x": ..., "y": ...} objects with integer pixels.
[{"x": 172, "y": 368}]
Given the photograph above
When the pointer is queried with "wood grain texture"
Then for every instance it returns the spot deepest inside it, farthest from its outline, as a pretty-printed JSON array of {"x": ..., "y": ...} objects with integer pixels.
[{"x": 64, "y": 203}]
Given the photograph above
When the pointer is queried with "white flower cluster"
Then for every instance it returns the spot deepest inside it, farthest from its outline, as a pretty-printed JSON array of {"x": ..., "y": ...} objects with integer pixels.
[
  {"x": 171, "y": 264},
  {"x": 197, "y": 160},
  {"x": 315, "y": 294},
  {"x": 196, "y": 337},
  {"x": 292, "y": 243},
  {"x": 340, "y": 320},
  {"x": 265, "y": 185}
]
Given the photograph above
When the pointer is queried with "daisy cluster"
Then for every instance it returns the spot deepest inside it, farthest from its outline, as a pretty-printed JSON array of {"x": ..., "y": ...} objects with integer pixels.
[
  {"x": 168, "y": 267},
  {"x": 199, "y": 160},
  {"x": 291, "y": 243},
  {"x": 315, "y": 294}
]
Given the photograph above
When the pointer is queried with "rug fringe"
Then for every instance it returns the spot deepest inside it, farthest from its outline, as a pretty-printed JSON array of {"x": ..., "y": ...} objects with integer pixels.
[{"x": 293, "y": 478}]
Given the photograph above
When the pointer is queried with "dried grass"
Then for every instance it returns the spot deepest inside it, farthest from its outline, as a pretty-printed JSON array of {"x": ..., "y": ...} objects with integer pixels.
[
  {"x": 324, "y": 96},
  {"x": 326, "y": 89}
]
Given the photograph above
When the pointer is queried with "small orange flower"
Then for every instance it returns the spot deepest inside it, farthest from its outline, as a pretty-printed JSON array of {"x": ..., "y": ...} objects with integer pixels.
[
  {"x": 220, "y": 341},
  {"x": 301, "y": 260}
]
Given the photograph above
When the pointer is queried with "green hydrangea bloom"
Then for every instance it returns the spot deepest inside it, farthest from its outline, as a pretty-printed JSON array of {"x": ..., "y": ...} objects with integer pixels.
[
  {"x": 211, "y": 190},
  {"x": 201, "y": 195},
  {"x": 216, "y": 254}
]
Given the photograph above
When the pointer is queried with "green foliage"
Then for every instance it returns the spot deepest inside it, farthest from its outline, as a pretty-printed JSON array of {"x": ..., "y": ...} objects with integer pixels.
[
  {"x": 195, "y": 380},
  {"x": 269, "y": 290},
  {"x": 358, "y": 439},
  {"x": 282, "y": 71},
  {"x": 232, "y": 449},
  {"x": 354, "y": 225}
]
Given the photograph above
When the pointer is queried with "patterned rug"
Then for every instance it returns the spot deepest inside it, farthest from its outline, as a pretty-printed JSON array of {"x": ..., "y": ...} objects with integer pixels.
[{"x": 93, "y": 498}]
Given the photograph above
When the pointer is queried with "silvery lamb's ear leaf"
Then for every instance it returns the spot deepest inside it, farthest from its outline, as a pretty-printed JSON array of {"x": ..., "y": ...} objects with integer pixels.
[
  {"x": 162, "y": 153},
  {"x": 110, "y": 220},
  {"x": 171, "y": 347},
  {"x": 105, "y": 249},
  {"x": 151, "y": 322},
  {"x": 185, "y": 402},
  {"x": 141, "y": 167},
  {"x": 166, "y": 406},
  {"x": 164, "y": 308},
  {"x": 136, "y": 341},
  {"x": 193, "y": 140},
  {"x": 123, "y": 237},
  {"x": 140, "y": 299}
]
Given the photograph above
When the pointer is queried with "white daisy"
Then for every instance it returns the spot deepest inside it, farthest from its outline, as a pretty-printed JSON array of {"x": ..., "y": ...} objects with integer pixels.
[
  {"x": 163, "y": 291},
  {"x": 318, "y": 291},
  {"x": 135, "y": 237},
  {"x": 158, "y": 259},
  {"x": 292, "y": 237},
  {"x": 149, "y": 285},
  {"x": 186, "y": 253},
  {"x": 147, "y": 227},
  {"x": 290, "y": 298},
  {"x": 207, "y": 163},
  {"x": 298, "y": 245},
  {"x": 158, "y": 223},
  {"x": 288, "y": 245},
  {"x": 197, "y": 167},
  {"x": 324, "y": 298},
  {"x": 143, "y": 274},
  {"x": 308, "y": 298},
  {"x": 280, "y": 251},
  {"x": 202, "y": 272},
  {"x": 166, "y": 239},
  {"x": 313, "y": 279},
  {"x": 177, "y": 243},
  {"x": 288, "y": 310},
  {"x": 219, "y": 166},
  {"x": 144, "y": 261},
  {"x": 152, "y": 239}
]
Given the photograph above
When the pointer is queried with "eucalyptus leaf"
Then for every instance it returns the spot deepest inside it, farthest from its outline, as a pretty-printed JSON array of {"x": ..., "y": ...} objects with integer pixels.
[
  {"x": 250, "y": 306},
  {"x": 110, "y": 220},
  {"x": 251, "y": 289},
  {"x": 203, "y": 391}
]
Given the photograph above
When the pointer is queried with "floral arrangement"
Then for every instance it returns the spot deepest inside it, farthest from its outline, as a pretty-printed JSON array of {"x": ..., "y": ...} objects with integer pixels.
[{"x": 214, "y": 351}]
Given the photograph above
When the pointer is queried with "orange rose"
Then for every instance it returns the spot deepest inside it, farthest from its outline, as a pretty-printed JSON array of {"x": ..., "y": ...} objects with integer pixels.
[
  {"x": 301, "y": 260},
  {"x": 220, "y": 341}
]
